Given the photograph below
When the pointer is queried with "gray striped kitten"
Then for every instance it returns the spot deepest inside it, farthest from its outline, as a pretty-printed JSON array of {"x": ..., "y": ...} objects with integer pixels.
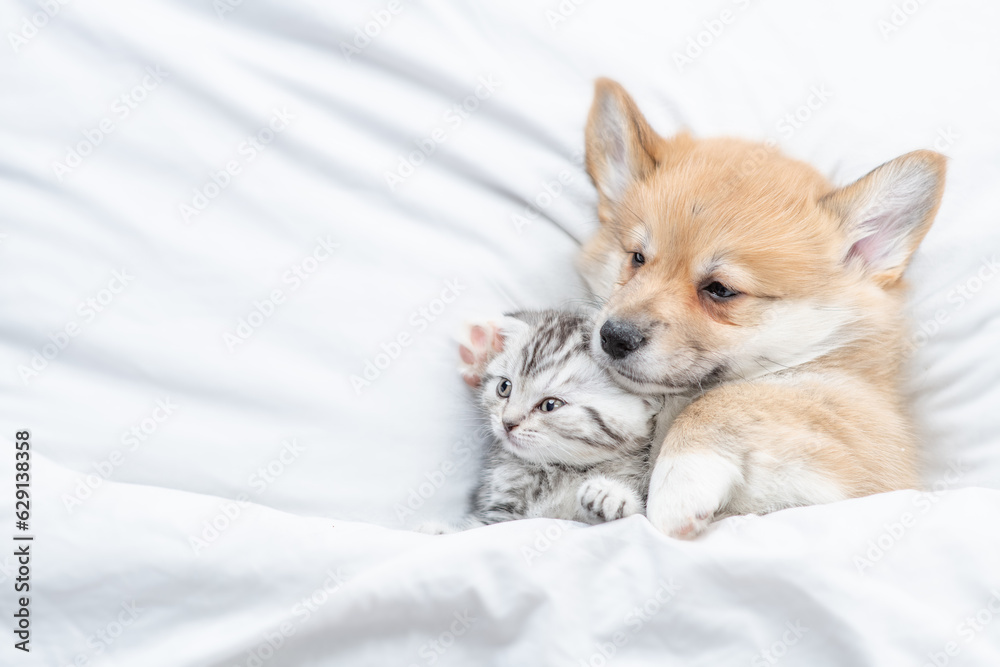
[{"x": 568, "y": 443}]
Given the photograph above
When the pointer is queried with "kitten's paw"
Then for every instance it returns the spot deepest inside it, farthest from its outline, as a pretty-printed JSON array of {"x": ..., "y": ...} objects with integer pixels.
[
  {"x": 687, "y": 490},
  {"x": 436, "y": 528},
  {"x": 607, "y": 499},
  {"x": 482, "y": 342}
]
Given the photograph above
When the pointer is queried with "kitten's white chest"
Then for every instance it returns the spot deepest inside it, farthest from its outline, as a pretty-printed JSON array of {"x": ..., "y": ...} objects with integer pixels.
[{"x": 672, "y": 407}]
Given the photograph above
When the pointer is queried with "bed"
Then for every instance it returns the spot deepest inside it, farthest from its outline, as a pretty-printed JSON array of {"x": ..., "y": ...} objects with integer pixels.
[{"x": 238, "y": 241}]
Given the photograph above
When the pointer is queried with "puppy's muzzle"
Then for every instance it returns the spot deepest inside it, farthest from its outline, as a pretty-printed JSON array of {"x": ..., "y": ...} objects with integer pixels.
[{"x": 620, "y": 338}]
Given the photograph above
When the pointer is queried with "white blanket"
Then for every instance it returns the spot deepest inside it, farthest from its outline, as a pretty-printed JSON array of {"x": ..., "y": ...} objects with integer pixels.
[{"x": 238, "y": 238}]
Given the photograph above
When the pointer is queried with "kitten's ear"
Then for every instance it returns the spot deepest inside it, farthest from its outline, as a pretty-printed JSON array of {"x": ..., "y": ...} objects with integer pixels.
[
  {"x": 886, "y": 214},
  {"x": 513, "y": 326},
  {"x": 621, "y": 146}
]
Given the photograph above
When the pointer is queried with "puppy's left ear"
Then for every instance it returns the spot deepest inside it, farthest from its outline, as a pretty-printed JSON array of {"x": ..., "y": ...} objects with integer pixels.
[
  {"x": 887, "y": 213},
  {"x": 621, "y": 146}
]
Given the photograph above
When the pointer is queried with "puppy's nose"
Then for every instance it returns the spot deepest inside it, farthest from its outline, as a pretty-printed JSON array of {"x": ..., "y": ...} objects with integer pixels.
[
  {"x": 619, "y": 338},
  {"x": 509, "y": 425}
]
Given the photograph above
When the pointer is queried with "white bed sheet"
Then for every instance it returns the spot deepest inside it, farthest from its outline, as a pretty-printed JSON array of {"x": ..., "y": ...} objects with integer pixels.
[{"x": 150, "y": 420}]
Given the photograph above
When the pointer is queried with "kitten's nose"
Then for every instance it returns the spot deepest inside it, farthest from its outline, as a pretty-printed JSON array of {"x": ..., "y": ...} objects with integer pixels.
[
  {"x": 619, "y": 338},
  {"x": 509, "y": 426}
]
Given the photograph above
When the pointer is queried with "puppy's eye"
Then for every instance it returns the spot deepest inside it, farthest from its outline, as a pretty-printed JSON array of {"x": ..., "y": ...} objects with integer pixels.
[
  {"x": 638, "y": 259},
  {"x": 719, "y": 291},
  {"x": 550, "y": 404},
  {"x": 503, "y": 388}
]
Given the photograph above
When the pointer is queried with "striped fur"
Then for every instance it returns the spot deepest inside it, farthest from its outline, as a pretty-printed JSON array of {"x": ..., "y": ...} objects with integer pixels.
[{"x": 587, "y": 460}]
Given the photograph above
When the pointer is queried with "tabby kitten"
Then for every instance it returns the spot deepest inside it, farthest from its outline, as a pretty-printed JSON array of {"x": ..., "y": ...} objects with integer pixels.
[{"x": 568, "y": 442}]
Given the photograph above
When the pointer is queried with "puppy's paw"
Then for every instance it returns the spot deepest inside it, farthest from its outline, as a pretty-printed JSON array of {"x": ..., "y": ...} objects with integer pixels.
[
  {"x": 481, "y": 342},
  {"x": 436, "y": 528},
  {"x": 687, "y": 490},
  {"x": 685, "y": 526},
  {"x": 608, "y": 499}
]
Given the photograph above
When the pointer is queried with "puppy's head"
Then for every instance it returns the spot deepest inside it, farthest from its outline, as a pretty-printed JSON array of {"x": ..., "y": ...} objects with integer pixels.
[{"x": 721, "y": 259}]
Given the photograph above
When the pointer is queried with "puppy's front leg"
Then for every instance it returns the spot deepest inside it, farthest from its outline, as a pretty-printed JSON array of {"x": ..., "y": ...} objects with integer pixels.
[
  {"x": 763, "y": 452},
  {"x": 689, "y": 486}
]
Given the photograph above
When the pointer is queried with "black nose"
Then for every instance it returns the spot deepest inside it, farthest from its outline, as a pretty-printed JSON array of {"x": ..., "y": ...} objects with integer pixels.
[
  {"x": 509, "y": 426},
  {"x": 619, "y": 338}
]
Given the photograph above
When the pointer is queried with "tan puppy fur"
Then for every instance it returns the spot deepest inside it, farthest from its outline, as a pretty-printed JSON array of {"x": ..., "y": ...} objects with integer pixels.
[{"x": 766, "y": 302}]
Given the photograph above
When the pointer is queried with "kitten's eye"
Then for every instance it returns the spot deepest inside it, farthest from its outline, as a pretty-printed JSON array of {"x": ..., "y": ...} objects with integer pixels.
[
  {"x": 638, "y": 259},
  {"x": 503, "y": 388},
  {"x": 550, "y": 404},
  {"x": 719, "y": 291}
]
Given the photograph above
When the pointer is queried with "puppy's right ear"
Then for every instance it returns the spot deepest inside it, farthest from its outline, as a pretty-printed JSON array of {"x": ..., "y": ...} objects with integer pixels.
[
  {"x": 886, "y": 213},
  {"x": 621, "y": 146}
]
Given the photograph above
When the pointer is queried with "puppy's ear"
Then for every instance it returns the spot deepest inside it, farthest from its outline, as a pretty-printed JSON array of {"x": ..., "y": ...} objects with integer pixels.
[
  {"x": 621, "y": 146},
  {"x": 887, "y": 213}
]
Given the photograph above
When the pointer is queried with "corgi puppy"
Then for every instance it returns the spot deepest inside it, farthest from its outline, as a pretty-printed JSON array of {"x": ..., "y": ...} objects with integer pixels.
[{"x": 765, "y": 303}]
